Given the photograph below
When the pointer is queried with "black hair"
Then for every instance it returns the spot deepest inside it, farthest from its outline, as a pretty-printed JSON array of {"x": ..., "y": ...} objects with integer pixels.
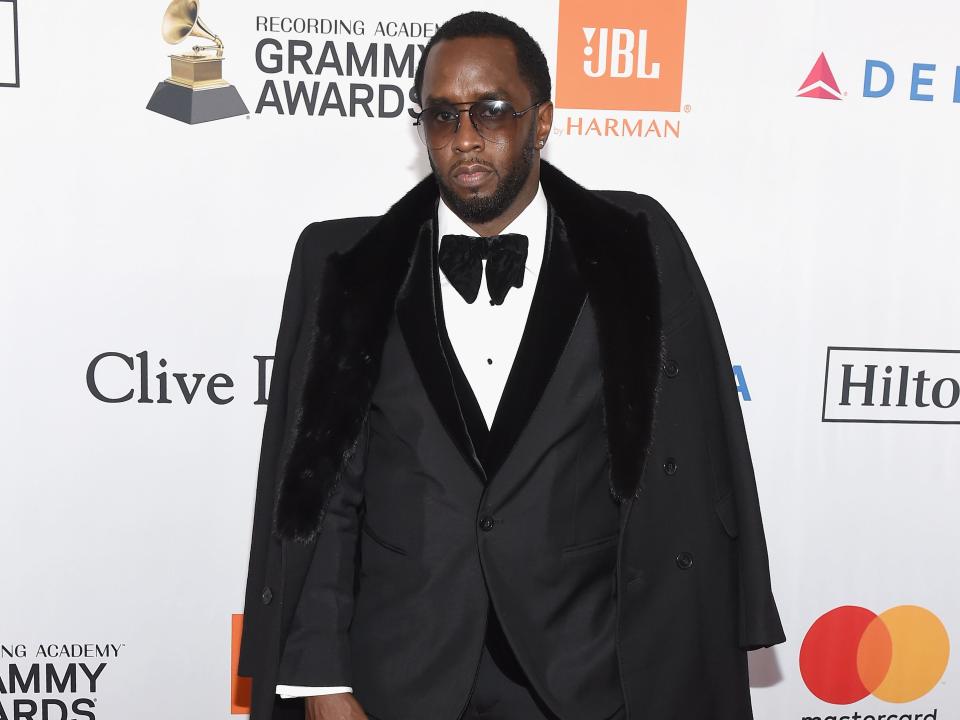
[{"x": 530, "y": 59}]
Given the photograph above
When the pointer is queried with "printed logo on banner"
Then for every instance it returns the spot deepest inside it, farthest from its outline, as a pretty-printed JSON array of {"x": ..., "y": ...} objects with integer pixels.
[
  {"x": 820, "y": 83},
  {"x": 925, "y": 82},
  {"x": 195, "y": 92},
  {"x": 613, "y": 55},
  {"x": 116, "y": 377},
  {"x": 741, "y": 381},
  {"x": 898, "y": 656},
  {"x": 240, "y": 687},
  {"x": 342, "y": 68},
  {"x": 9, "y": 45},
  {"x": 891, "y": 385},
  {"x": 54, "y": 681}
]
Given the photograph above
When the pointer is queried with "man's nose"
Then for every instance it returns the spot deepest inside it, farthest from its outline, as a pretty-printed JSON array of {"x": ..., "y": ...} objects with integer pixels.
[{"x": 467, "y": 139}]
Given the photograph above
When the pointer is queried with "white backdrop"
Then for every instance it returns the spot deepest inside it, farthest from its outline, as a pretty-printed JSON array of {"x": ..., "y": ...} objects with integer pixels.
[{"x": 126, "y": 525}]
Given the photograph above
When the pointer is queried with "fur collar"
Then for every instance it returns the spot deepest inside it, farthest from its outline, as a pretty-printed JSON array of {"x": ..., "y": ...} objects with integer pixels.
[{"x": 616, "y": 260}]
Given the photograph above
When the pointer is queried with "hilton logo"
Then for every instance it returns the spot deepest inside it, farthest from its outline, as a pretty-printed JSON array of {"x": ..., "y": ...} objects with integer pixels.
[
  {"x": 893, "y": 385},
  {"x": 9, "y": 46}
]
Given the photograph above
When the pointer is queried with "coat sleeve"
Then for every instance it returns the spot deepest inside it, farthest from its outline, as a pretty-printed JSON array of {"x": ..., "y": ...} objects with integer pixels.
[
  {"x": 260, "y": 616},
  {"x": 257, "y": 613},
  {"x": 316, "y": 649},
  {"x": 309, "y": 640},
  {"x": 759, "y": 622}
]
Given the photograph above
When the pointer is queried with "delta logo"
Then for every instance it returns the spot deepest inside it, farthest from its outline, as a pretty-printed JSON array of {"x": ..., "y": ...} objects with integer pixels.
[
  {"x": 617, "y": 56},
  {"x": 924, "y": 81},
  {"x": 898, "y": 656},
  {"x": 820, "y": 83}
]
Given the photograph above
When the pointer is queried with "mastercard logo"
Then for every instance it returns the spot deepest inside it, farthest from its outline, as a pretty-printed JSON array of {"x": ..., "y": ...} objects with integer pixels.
[{"x": 896, "y": 656}]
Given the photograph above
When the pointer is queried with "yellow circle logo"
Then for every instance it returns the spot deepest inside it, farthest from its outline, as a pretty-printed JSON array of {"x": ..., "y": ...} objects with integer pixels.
[{"x": 896, "y": 656}]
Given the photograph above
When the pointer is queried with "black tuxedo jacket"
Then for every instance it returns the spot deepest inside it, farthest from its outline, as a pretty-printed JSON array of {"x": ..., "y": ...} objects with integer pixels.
[{"x": 639, "y": 558}]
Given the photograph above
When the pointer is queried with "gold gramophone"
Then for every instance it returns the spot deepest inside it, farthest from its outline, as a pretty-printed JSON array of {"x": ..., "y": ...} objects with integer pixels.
[{"x": 195, "y": 92}]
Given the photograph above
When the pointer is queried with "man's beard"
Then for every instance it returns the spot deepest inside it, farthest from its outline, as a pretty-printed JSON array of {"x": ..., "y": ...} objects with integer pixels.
[{"x": 478, "y": 209}]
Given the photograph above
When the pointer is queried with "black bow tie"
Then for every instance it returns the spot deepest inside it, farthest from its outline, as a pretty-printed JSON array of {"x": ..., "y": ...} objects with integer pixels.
[{"x": 506, "y": 255}]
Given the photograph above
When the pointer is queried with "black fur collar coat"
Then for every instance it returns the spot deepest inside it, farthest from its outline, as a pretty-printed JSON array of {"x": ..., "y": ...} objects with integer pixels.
[{"x": 692, "y": 578}]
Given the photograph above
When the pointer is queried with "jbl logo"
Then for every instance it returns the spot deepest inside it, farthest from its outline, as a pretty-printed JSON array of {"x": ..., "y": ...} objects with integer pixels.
[
  {"x": 615, "y": 52},
  {"x": 614, "y": 55}
]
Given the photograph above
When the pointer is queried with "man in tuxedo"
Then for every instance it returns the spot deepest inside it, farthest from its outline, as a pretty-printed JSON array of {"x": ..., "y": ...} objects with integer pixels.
[{"x": 504, "y": 473}]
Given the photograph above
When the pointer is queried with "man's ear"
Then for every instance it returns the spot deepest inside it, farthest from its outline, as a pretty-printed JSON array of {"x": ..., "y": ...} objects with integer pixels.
[{"x": 544, "y": 122}]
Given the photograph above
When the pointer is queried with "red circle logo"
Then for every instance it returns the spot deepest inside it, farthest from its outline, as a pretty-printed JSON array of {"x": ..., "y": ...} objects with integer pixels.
[{"x": 851, "y": 652}]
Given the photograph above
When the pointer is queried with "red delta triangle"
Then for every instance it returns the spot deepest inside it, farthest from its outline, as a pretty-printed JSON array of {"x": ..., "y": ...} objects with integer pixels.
[{"x": 822, "y": 74}]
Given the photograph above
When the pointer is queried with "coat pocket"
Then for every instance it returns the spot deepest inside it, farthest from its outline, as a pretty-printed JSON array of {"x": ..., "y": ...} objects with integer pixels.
[
  {"x": 727, "y": 512},
  {"x": 590, "y": 545},
  {"x": 381, "y": 542}
]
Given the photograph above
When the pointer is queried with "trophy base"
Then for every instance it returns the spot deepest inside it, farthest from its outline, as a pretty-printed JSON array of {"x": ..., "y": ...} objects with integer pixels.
[{"x": 196, "y": 106}]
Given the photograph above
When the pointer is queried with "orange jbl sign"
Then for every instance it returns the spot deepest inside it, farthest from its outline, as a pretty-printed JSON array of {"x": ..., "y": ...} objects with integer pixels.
[
  {"x": 615, "y": 55},
  {"x": 239, "y": 686}
]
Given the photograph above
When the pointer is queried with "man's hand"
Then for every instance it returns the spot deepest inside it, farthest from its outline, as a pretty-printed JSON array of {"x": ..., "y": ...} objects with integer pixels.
[{"x": 336, "y": 706}]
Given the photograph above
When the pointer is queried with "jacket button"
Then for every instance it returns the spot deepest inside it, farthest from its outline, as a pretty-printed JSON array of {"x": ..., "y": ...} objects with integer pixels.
[
  {"x": 670, "y": 466},
  {"x": 486, "y": 523},
  {"x": 266, "y": 595},
  {"x": 684, "y": 560},
  {"x": 671, "y": 369}
]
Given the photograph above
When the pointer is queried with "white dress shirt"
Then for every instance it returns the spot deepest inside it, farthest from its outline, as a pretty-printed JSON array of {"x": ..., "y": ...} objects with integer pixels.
[{"x": 484, "y": 337}]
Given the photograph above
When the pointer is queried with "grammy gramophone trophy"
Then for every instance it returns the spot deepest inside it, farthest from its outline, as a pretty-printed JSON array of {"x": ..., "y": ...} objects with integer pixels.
[{"x": 195, "y": 92}]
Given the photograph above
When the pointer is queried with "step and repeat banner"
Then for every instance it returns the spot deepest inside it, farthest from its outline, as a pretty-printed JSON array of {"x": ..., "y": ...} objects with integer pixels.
[{"x": 809, "y": 151}]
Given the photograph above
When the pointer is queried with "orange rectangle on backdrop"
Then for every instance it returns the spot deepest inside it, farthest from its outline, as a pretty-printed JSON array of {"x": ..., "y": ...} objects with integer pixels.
[
  {"x": 615, "y": 55},
  {"x": 239, "y": 686}
]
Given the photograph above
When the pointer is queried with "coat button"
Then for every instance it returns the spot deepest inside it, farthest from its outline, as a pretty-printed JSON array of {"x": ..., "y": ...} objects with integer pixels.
[
  {"x": 671, "y": 369},
  {"x": 266, "y": 595},
  {"x": 670, "y": 466},
  {"x": 684, "y": 560},
  {"x": 486, "y": 523}
]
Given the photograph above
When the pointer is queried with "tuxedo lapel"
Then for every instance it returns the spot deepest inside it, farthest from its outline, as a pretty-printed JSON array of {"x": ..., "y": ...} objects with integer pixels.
[
  {"x": 422, "y": 327},
  {"x": 343, "y": 334},
  {"x": 554, "y": 309}
]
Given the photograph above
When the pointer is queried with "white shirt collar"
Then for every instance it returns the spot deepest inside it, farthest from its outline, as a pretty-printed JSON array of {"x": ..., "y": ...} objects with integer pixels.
[{"x": 532, "y": 222}]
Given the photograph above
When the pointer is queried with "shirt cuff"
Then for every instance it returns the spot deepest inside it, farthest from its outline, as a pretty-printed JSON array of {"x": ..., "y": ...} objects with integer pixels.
[{"x": 294, "y": 691}]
